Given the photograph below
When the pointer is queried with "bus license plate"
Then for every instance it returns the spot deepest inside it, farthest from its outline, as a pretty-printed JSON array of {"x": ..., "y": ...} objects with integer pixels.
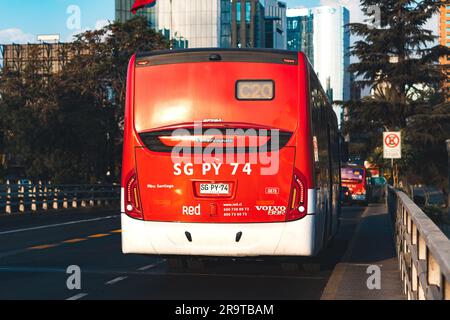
[{"x": 214, "y": 188}]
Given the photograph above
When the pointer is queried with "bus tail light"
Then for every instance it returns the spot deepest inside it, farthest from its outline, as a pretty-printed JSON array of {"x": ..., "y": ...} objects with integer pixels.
[
  {"x": 298, "y": 204},
  {"x": 132, "y": 198}
]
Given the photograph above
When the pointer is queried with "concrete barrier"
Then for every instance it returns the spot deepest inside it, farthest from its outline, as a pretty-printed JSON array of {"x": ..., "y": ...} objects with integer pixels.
[{"x": 423, "y": 250}]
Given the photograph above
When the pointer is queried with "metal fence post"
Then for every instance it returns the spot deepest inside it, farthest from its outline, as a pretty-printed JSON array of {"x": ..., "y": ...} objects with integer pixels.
[
  {"x": 83, "y": 204},
  {"x": 44, "y": 197},
  {"x": 34, "y": 200},
  {"x": 55, "y": 198},
  {"x": 91, "y": 200},
  {"x": 20, "y": 197},
  {"x": 74, "y": 200},
  {"x": 8, "y": 198},
  {"x": 65, "y": 200}
]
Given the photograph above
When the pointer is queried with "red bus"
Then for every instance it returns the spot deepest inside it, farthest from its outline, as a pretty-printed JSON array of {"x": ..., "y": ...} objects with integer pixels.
[
  {"x": 355, "y": 179},
  {"x": 228, "y": 152}
]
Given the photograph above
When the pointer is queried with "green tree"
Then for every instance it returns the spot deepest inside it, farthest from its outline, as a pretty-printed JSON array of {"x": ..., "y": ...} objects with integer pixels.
[
  {"x": 66, "y": 127},
  {"x": 27, "y": 105},
  {"x": 397, "y": 61},
  {"x": 98, "y": 73}
]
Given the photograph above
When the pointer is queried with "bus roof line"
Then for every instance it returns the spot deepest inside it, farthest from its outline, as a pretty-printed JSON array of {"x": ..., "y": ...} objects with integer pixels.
[
  {"x": 215, "y": 50},
  {"x": 217, "y": 55}
]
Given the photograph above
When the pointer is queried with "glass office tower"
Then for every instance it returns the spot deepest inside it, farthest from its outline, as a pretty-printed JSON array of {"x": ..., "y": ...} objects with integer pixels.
[
  {"x": 275, "y": 24},
  {"x": 193, "y": 23},
  {"x": 215, "y": 23},
  {"x": 247, "y": 23},
  {"x": 196, "y": 21},
  {"x": 322, "y": 34},
  {"x": 123, "y": 12},
  {"x": 300, "y": 31}
]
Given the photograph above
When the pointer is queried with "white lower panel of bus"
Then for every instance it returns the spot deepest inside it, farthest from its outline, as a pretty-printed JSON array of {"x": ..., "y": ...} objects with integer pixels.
[{"x": 261, "y": 239}]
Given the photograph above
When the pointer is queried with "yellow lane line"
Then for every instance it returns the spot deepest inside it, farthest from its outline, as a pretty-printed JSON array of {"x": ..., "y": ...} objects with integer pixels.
[
  {"x": 71, "y": 241},
  {"x": 74, "y": 240},
  {"x": 44, "y": 246},
  {"x": 100, "y": 235}
]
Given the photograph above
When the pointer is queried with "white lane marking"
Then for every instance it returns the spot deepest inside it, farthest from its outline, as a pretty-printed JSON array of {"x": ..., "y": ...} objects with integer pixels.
[
  {"x": 116, "y": 280},
  {"x": 151, "y": 266},
  {"x": 242, "y": 276},
  {"x": 77, "y": 297},
  {"x": 162, "y": 274},
  {"x": 12, "y": 253},
  {"x": 364, "y": 265},
  {"x": 59, "y": 225}
]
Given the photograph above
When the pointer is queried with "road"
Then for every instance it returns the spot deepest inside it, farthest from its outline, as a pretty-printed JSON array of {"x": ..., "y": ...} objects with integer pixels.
[{"x": 35, "y": 252}]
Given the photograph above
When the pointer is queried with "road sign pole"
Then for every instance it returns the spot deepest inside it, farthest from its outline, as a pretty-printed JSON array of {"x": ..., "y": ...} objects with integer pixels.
[
  {"x": 396, "y": 176},
  {"x": 393, "y": 172},
  {"x": 392, "y": 149}
]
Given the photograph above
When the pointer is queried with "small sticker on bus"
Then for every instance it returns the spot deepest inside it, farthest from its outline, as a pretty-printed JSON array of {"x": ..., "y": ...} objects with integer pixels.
[{"x": 272, "y": 191}]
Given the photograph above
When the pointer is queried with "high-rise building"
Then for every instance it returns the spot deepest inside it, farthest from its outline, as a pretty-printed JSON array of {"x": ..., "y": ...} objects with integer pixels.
[
  {"x": 322, "y": 34},
  {"x": 123, "y": 12},
  {"x": 247, "y": 23},
  {"x": 275, "y": 24},
  {"x": 195, "y": 22},
  {"x": 300, "y": 31},
  {"x": 50, "y": 57},
  {"x": 444, "y": 40},
  {"x": 257, "y": 23},
  {"x": 215, "y": 23}
]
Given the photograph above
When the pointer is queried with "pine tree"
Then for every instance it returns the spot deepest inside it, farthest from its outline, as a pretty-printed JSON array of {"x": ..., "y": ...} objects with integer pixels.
[{"x": 399, "y": 63}]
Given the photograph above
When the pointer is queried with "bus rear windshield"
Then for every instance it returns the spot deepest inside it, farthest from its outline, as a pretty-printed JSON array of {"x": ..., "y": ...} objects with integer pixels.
[
  {"x": 352, "y": 174},
  {"x": 264, "y": 94}
]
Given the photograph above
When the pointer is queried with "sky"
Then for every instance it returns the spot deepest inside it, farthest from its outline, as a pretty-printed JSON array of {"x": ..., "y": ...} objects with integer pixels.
[{"x": 22, "y": 20}]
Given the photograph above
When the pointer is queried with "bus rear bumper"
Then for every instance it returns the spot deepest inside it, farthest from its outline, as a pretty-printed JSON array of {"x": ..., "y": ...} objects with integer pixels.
[{"x": 220, "y": 240}]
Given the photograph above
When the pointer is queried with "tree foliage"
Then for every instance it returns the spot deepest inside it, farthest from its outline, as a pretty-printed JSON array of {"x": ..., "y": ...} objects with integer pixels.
[
  {"x": 398, "y": 62},
  {"x": 66, "y": 127}
]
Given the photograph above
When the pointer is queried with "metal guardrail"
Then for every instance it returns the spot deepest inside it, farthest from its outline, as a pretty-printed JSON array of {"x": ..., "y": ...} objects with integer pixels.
[
  {"x": 17, "y": 198},
  {"x": 423, "y": 250}
]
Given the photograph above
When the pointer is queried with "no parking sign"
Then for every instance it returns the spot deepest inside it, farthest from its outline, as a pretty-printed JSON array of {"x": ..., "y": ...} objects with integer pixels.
[{"x": 392, "y": 142}]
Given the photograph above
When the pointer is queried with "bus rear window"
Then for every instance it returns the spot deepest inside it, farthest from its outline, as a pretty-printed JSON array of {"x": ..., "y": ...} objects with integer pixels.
[{"x": 352, "y": 174}]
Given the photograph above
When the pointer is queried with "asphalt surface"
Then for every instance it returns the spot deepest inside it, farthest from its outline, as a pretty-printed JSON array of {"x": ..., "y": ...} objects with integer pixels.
[{"x": 36, "y": 250}]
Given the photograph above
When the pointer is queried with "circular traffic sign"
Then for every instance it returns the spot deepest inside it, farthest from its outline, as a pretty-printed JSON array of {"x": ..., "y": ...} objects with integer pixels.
[{"x": 392, "y": 140}]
